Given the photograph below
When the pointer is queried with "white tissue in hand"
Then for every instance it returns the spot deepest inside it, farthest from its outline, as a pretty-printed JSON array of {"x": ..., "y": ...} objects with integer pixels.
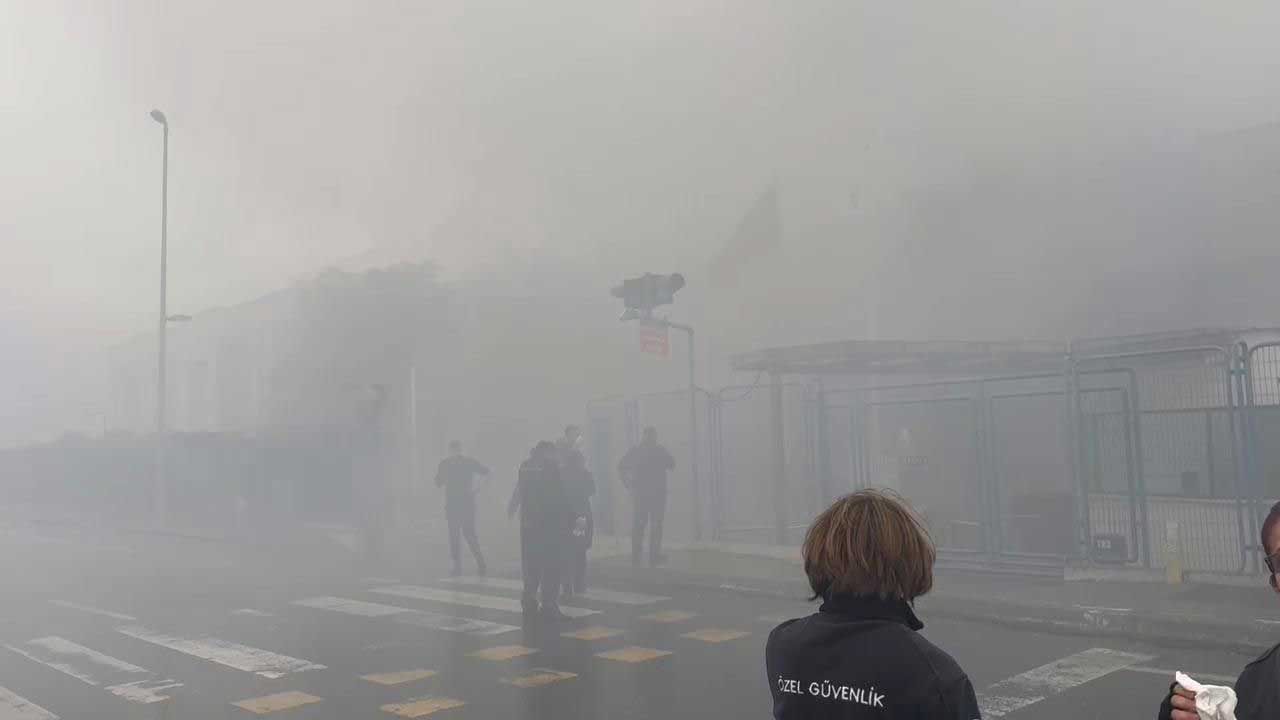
[{"x": 1213, "y": 702}]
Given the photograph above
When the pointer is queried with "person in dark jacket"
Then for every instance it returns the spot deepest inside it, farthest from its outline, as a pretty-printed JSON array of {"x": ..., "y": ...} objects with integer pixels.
[
  {"x": 455, "y": 474},
  {"x": 580, "y": 485},
  {"x": 868, "y": 557},
  {"x": 545, "y": 520},
  {"x": 644, "y": 473},
  {"x": 1257, "y": 689}
]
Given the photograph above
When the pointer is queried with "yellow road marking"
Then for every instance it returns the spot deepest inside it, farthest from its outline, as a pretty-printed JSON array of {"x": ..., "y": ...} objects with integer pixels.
[
  {"x": 539, "y": 677},
  {"x": 633, "y": 654},
  {"x": 667, "y": 616},
  {"x": 503, "y": 652},
  {"x": 399, "y": 678},
  {"x": 715, "y": 635},
  {"x": 595, "y": 632},
  {"x": 277, "y": 702},
  {"x": 422, "y": 707}
]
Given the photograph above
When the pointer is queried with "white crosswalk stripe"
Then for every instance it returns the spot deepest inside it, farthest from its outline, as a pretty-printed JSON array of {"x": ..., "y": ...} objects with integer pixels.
[
  {"x": 1167, "y": 672},
  {"x": 263, "y": 663},
  {"x": 120, "y": 678},
  {"x": 1034, "y": 685},
  {"x": 454, "y": 597},
  {"x": 407, "y": 616},
  {"x": 351, "y": 607},
  {"x": 596, "y": 594},
  {"x": 16, "y": 707},
  {"x": 93, "y": 610}
]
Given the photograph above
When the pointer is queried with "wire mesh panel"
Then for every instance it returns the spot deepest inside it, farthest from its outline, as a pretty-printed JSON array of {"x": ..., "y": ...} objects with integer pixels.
[
  {"x": 928, "y": 449},
  {"x": 751, "y": 492},
  {"x": 1031, "y": 473},
  {"x": 1186, "y": 438}
]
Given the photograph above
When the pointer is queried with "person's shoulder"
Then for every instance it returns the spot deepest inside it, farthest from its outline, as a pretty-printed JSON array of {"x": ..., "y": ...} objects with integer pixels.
[
  {"x": 786, "y": 633},
  {"x": 1266, "y": 663},
  {"x": 940, "y": 661},
  {"x": 1258, "y": 692}
]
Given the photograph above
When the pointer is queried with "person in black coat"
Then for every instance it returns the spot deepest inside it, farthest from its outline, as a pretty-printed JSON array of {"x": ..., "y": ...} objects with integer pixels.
[
  {"x": 644, "y": 471},
  {"x": 868, "y": 557},
  {"x": 580, "y": 485},
  {"x": 545, "y": 522},
  {"x": 1257, "y": 689},
  {"x": 455, "y": 474}
]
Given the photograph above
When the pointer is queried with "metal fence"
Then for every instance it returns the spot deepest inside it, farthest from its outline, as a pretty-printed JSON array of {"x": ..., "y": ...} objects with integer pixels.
[
  {"x": 1187, "y": 440},
  {"x": 1096, "y": 461}
]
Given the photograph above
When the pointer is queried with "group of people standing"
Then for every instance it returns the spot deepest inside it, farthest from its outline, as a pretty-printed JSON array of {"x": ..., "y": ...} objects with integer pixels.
[{"x": 553, "y": 495}]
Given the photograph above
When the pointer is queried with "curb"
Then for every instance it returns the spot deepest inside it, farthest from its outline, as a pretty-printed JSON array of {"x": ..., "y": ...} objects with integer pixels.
[{"x": 1165, "y": 629}]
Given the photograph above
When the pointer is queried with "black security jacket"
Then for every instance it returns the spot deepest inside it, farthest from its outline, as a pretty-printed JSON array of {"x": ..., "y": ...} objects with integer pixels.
[{"x": 862, "y": 657}]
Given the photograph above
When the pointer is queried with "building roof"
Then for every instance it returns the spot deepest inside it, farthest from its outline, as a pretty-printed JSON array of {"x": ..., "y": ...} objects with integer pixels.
[
  {"x": 907, "y": 357},
  {"x": 1171, "y": 342}
]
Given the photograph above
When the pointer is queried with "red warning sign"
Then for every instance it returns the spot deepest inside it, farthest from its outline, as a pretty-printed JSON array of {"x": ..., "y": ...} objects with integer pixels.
[{"x": 654, "y": 339}]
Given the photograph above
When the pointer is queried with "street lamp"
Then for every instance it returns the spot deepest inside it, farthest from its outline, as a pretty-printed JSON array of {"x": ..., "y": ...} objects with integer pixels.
[{"x": 159, "y": 490}]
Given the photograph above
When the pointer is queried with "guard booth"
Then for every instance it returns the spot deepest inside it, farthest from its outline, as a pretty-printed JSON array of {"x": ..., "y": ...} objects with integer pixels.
[{"x": 973, "y": 434}]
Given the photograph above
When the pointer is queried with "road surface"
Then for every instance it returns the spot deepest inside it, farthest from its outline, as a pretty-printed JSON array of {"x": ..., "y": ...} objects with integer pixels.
[{"x": 128, "y": 628}]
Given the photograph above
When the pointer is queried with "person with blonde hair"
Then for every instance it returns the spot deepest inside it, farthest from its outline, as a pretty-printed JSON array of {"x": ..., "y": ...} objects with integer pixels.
[{"x": 868, "y": 557}]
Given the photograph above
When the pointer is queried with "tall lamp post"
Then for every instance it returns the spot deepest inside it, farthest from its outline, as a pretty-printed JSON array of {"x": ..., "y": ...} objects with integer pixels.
[{"x": 158, "y": 499}]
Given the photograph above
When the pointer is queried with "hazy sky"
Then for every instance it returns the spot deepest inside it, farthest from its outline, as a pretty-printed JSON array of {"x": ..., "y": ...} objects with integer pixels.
[{"x": 620, "y": 133}]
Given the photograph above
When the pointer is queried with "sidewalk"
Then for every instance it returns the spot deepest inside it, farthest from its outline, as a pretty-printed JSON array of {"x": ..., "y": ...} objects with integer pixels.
[{"x": 1243, "y": 615}]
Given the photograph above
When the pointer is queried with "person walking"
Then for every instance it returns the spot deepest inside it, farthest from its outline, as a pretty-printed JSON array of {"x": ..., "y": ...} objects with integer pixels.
[
  {"x": 455, "y": 474},
  {"x": 580, "y": 486},
  {"x": 868, "y": 557},
  {"x": 644, "y": 474},
  {"x": 545, "y": 519}
]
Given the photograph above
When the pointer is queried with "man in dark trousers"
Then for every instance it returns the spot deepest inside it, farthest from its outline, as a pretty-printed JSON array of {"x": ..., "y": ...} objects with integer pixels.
[
  {"x": 644, "y": 473},
  {"x": 580, "y": 486},
  {"x": 545, "y": 519},
  {"x": 455, "y": 474}
]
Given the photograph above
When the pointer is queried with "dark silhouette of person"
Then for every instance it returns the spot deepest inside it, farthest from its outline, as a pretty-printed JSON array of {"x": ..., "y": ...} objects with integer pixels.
[
  {"x": 580, "y": 486},
  {"x": 644, "y": 472},
  {"x": 455, "y": 475},
  {"x": 545, "y": 521}
]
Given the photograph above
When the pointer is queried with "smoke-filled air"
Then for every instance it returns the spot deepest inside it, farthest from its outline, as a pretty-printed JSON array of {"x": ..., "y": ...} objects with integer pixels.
[{"x": 650, "y": 360}]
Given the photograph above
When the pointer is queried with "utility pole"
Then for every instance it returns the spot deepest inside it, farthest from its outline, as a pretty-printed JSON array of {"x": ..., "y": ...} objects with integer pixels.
[
  {"x": 693, "y": 430},
  {"x": 160, "y": 489}
]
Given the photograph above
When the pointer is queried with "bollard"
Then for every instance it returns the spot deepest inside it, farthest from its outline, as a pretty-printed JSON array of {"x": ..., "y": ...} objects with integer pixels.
[{"x": 1172, "y": 553}]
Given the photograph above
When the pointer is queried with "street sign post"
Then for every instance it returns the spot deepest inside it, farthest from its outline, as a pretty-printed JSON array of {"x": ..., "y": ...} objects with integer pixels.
[{"x": 654, "y": 338}]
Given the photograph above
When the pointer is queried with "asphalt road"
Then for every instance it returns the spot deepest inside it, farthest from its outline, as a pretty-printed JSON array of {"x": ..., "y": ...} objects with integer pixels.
[{"x": 144, "y": 628}]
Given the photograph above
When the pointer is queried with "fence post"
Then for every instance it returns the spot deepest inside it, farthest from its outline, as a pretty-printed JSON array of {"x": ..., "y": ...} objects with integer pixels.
[
  {"x": 779, "y": 460},
  {"x": 1074, "y": 428},
  {"x": 1172, "y": 553},
  {"x": 1252, "y": 482},
  {"x": 823, "y": 446}
]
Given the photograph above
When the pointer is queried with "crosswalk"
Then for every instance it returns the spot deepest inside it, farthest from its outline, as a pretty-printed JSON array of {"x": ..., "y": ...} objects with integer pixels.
[
  {"x": 458, "y": 597},
  {"x": 1032, "y": 686},
  {"x": 16, "y": 707},
  {"x": 120, "y": 677},
  {"x": 595, "y": 594},
  {"x": 658, "y": 631},
  {"x": 263, "y": 663}
]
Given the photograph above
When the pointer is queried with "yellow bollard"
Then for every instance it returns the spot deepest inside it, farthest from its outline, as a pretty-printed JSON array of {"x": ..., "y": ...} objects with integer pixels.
[{"x": 1172, "y": 553}]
